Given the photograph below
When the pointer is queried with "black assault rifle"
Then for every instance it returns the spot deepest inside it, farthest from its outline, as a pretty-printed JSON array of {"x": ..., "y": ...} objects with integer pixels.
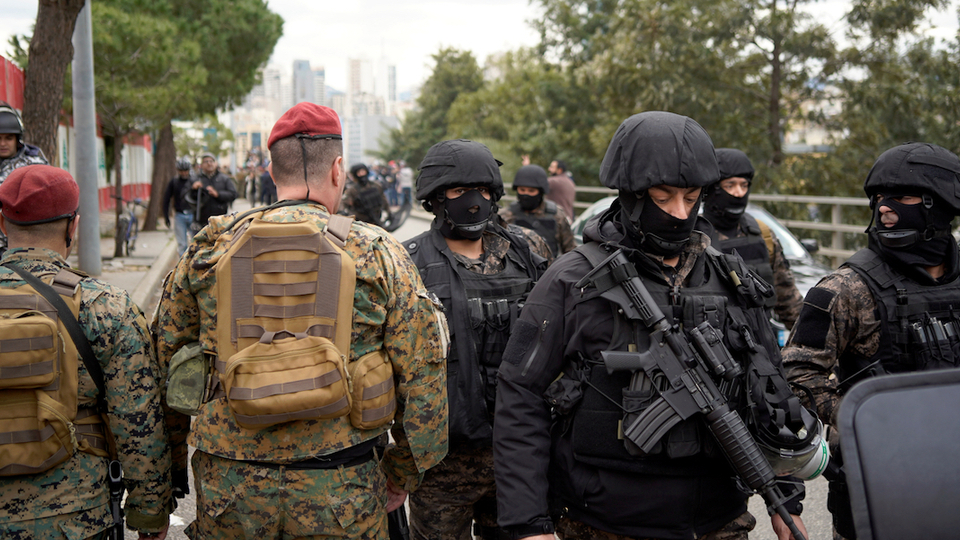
[{"x": 679, "y": 371}]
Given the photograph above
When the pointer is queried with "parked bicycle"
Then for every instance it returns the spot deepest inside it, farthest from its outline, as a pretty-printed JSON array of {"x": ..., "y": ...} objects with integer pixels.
[{"x": 128, "y": 227}]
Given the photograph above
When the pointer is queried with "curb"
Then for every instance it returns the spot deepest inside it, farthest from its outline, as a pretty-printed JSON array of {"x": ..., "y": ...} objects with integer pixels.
[{"x": 154, "y": 277}]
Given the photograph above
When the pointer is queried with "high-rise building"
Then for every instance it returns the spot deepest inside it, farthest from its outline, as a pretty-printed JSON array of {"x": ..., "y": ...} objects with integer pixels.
[
  {"x": 302, "y": 81},
  {"x": 319, "y": 86},
  {"x": 361, "y": 77}
]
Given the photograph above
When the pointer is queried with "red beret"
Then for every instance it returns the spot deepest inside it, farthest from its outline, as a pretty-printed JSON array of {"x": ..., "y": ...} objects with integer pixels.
[
  {"x": 38, "y": 194},
  {"x": 309, "y": 119}
]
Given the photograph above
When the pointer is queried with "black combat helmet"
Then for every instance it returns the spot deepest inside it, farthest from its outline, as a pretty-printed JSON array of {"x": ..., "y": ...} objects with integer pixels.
[
  {"x": 532, "y": 176},
  {"x": 458, "y": 162},
  {"x": 917, "y": 167},
  {"x": 10, "y": 122},
  {"x": 659, "y": 148},
  {"x": 734, "y": 163}
]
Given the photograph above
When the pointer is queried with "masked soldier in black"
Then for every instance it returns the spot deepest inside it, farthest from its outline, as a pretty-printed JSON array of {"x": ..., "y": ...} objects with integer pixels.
[
  {"x": 560, "y": 459},
  {"x": 364, "y": 198},
  {"x": 730, "y": 228},
  {"x": 893, "y": 307},
  {"x": 481, "y": 270},
  {"x": 544, "y": 217}
]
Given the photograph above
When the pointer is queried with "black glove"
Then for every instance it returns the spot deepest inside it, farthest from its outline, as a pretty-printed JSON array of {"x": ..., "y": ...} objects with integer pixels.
[
  {"x": 181, "y": 484},
  {"x": 166, "y": 221}
]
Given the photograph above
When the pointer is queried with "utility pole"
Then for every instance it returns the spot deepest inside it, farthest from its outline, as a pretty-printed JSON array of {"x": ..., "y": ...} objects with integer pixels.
[{"x": 85, "y": 126}]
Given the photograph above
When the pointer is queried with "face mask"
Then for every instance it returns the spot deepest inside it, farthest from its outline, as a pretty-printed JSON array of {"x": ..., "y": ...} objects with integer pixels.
[
  {"x": 724, "y": 210},
  {"x": 530, "y": 202},
  {"x": 459, "y": 222},
  {"x": 920, "y": 237},
  {"x": 654, "y": 230}
]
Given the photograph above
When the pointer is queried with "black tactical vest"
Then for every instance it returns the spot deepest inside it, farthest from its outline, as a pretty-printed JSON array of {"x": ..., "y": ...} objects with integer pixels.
[
  {"x": 752, "y": 249},
  {"x": 545, "y": 225},
  {"x": 480, "y": 310},
  {"x": 920, "y": 324},
  {"x": 687, "y": 449},
  {"x": 368, "y": 203}
]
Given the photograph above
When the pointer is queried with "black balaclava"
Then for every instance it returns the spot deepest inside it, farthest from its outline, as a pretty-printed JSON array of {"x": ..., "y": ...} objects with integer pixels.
[
  {"x": 530, "y": 202},
  {"x": 457, "y": 221},
  {"x": 724, "y": 210},
  {"x": 921, "y": 236},
  {"x": 654, "y": 230}
]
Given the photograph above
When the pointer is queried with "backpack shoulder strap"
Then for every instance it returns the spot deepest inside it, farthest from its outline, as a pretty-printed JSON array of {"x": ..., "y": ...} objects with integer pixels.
[
  {"x": 338, "y": 227},
  {"x": 767, "y": 235}
]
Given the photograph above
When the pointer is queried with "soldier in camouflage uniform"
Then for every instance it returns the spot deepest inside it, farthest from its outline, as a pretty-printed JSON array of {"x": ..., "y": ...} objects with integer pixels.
[
  {"x": 881, "y": 311},
  {"x": 15, "y": 153},
  {"x": 363, "y": 198},
  {"x": 71, "y": 500},
  {"x": 482, "y": 270},
  {"x": 546, "y": 218},
  {"x": 313, "y": 478},
  {"x": 730, "y": 228}
]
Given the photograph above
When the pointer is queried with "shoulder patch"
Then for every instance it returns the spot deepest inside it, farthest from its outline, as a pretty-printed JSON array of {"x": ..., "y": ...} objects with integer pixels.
[{"x": 814, "y": 322}]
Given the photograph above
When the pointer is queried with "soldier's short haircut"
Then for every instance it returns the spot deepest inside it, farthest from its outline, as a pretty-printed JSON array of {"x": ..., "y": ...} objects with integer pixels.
[{"x": 287, "y": 156}]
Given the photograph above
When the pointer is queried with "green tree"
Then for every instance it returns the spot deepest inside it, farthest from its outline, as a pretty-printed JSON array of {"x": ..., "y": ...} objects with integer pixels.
[
  {"x": 50, "y": 53},
  {"x": 236, "y": 38},
  {"x": 141, "y": 67},
  {"x": 455, "y": 72}
]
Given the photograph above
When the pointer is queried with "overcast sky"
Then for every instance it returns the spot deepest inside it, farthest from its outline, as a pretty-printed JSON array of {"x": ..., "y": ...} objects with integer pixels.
[{"x": 406, "y": 32}]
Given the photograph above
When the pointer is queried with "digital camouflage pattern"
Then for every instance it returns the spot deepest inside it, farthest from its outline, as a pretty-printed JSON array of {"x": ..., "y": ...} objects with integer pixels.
[
  {"x": 456, "y": 492},
  {"x": 565, "y": 238},
  {"x": 243, "y": 500},
  {"x": 391, "y": 311},
  {"x": 853, "y": 330},
  {"x": 26, "y": 155},
  {"x": 789, "y": 299},
  {"x": 74, "y": 496},
  {"x": 738, "y": 529}
]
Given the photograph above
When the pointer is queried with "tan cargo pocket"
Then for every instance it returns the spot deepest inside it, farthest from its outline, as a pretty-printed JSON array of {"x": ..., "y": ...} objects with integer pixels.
[
  {"x": 295, "y": 378},
  {"x": 35, "y": 434},
  {"x": 374, "y": 394},
  {"x": 31, "y": 359},
  {"x": 187, "y": 379}
]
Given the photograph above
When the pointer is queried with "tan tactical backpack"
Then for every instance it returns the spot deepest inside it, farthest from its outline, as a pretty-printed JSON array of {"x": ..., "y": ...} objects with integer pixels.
[
  {"x": 284, "y": 321},
  {"x": 39, "y": 422}
]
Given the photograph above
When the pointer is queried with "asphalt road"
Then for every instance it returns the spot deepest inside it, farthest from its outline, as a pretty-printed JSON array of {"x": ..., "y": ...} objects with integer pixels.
[{"x": 815, "y": 516}]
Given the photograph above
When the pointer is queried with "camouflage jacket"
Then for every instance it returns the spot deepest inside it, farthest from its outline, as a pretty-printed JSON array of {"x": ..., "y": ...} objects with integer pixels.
[
  {"x": 391, "y": 311},
  {"x": 846, "y": 326},
  {"x": 564, "y": 235},
  {"x": 495, "y": 248},
  {"x": 27, "y": 155},
  {"x": 118, "y": 334}
]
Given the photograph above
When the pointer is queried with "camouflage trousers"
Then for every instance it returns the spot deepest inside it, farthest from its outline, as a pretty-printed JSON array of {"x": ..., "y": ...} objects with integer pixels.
[
  {"x": 85, "y": 524},
  {"x": 738, "y": 529},
  {"x": 242, "y": 500},
  {"x": 460, "y": 489}
]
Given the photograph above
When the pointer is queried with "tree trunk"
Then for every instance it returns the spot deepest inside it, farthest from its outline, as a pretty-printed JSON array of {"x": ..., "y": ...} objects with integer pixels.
[
  {"x": 118, "y": 191},
  {"x": 164, "y": 168},
  {"x": 51, "y": 51}
]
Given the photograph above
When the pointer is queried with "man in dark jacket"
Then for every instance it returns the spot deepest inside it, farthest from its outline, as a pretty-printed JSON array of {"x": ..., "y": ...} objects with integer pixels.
[
  {"x": 560, "y": 413},
  {"x": 730, "y": 228},
  {"x": 14, "y": 153},
  {"x": 177, "y": 189},
  {"x": 364, "y": 198},
  {"x": 546, "y": 218},
  {"x": 482, "y": 270},
  {"x": 212, "y": 190}
]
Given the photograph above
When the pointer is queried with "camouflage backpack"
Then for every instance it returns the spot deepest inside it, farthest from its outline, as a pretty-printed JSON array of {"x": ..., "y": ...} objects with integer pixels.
[
  {"x": 284, "y": 321},
  {"x": 40, "y": 426}
]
